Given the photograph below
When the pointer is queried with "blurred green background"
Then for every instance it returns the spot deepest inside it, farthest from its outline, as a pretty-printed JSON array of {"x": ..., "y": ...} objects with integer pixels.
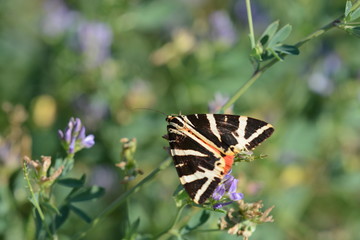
[{"x": 103, "y": 61}]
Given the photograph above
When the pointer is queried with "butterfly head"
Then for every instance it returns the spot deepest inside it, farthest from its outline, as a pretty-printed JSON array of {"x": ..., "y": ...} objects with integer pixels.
[
  {"x": 177, "y": 121},
  {"x": 169, "y": 118}
]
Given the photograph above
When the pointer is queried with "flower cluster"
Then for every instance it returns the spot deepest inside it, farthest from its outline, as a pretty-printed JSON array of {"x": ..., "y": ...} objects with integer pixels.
[
  {"x": 227, "y": 187},
  {"x": 243, "y": 221},
  {"x": 128, "y": 163},
  {"x": 74, "y": 138},
  {"x": 41, "y": 170}
]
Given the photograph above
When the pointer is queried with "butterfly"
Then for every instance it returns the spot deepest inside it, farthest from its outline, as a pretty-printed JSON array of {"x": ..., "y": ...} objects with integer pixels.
[{"x": 203, "y": 147}]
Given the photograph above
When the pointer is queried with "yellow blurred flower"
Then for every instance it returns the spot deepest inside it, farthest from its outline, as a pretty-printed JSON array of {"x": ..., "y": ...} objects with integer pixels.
[
  {"x": 44, "y": 111},
  {"x": 292, "y": 176}
]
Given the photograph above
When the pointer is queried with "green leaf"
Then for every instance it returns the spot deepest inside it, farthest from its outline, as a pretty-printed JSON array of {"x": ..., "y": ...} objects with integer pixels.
[
  {"x": 269, "y": 32},
  {"x": 347, "y": 8},
  {"x": 280, "y": 36},
  {"x": 287, "y": 49},
  {"x": 49, "y": 206},
  {"x": 72, "y": 182},
  {"x": 80, "y": 213},
  {"x": 355, "y": 14},
  {"x": 276, "y": 55},
  {"x": 195, "y": 222},
  {"x": 257, "y": 52},
  {"x": 354, "y": 31},
  {"x": 131, "y": 232},
  {"x": 38, "y": 223},
  {"x": 76, "y": 189},
  {"x": 60, "y": 219},
  {"x": 180, "y": 196},
  {"x": 87, "y": 194},
  {"x": 34, "y": 199}
]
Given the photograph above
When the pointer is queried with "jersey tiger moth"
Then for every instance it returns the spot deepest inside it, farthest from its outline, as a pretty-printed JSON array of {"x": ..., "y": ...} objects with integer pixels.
[{"x": 203, "y": 147}]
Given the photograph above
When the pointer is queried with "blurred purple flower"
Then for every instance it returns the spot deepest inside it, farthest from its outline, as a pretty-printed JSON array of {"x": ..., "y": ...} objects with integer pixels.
[
  {"x": 104, "y": 176},
  {"x": 95, "y": 40},
  {"x": 92, "y": 110},
  {"x": 332, "y": 64},
  {"x": 321, "y": 81},
  {"x": 320, "y": 84},
  {"x": 57, "y": 18},
  {"x": 74, "y": 138},
  {"x": 259, "y": 15},
  {"x": 216, "y": 104},
  {"x": 220, "y": 205},
  {"x": 228, "y": 186},
  {"x": 222, "y": 28}
]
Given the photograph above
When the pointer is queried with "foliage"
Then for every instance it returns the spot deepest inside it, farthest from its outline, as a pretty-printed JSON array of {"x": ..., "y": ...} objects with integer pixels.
[{"x": 106, "y": 62}]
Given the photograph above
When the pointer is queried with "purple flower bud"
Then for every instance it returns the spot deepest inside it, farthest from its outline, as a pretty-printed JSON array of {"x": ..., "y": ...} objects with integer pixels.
[
  {"x": 72, "y": 146},
  {"x": 233, "y": 186},
  {"x": 81, "y": 135},
  {"x": 68, "y": 132},
  {"x": 77, "y": 125},
  {"x": 71, "y": 123},
  {"x": 219, "y": 192},
  {"x": 220, "y": 205},
  {"x": 61, "y": 134},
  {"x": 227, "y": 187},
  {"x": 74, "y": 138},
  {"x": 236, "y": 196},
  {"x": 89, "y": 141}
]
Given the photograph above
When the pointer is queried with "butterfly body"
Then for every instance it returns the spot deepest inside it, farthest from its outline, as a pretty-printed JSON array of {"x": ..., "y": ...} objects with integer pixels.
[{"x": 203, "y": 147}]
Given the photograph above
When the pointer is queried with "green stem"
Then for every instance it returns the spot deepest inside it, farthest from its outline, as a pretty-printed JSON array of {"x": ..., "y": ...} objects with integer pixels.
[
  {"x": 171, "y": 227},
  {"x": 119, "y": 201},
  {"x": 260, "y": 71},
  {"x": 319, "y": 32},
  {"x": 250, "y": 21},
  {"x": 34, "y": 199},
  {"x": 355, "y": 6},
  {"x": 241, "y": 90}
]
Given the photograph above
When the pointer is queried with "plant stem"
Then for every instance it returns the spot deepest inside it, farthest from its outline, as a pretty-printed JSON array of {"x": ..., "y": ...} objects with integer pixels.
[
  {"x": 34, "y": 199},
  {"x": 176, "y": 219},
  {"x": 250, "y": 21},
  {"x": 119, "y": 201},
  {"x": 260, "y": 71},
  {"x": 319, "y": 32}
]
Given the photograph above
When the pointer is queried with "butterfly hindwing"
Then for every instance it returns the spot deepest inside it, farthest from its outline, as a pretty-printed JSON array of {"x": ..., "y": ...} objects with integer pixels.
[
  {"x": 203, "y": 147},
  {"x": 195, "y": 164}
]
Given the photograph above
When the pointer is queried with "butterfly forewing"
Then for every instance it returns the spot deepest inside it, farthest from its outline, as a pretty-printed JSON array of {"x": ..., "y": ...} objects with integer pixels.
[{"x": 203, "y": 147}]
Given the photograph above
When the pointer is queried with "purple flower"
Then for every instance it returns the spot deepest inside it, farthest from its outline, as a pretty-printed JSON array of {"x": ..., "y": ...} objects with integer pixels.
[
  {"x": 223, "y": 29},
  {"x": 220, "y": 205},
  {"x": 259, "y": 14},
  {"x": 74, "y": 138},
  {"x": 95, "y": 40},
  {"x": 93, "y": 110},
  {"x": 216, "y": 104},
  {"x": 57, "y": 18},
  {"x": 228, "y": 187}
]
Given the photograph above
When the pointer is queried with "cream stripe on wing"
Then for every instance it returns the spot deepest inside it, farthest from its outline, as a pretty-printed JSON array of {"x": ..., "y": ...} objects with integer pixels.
[
  {"x": 241, "y": 134},
  {"x": 186, "y": 152},
  {"x": 189, "y": 178},
  {"x": 195, "y": 138},
  {"x": 258, "y": 132},
  {"x": 213, "y": 125},
  {"x": 210, "y": 175}
]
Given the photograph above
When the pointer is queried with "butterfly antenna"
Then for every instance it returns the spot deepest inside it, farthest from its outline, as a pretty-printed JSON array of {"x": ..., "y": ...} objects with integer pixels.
[{"x": 149, "y": 109}]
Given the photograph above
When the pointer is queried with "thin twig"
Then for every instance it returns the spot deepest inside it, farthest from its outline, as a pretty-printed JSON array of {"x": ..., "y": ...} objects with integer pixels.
[
  {"x": 250, "y": 21},
  {"x": 260, "y": 71},
  {"x": 117, "y": 203}
]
